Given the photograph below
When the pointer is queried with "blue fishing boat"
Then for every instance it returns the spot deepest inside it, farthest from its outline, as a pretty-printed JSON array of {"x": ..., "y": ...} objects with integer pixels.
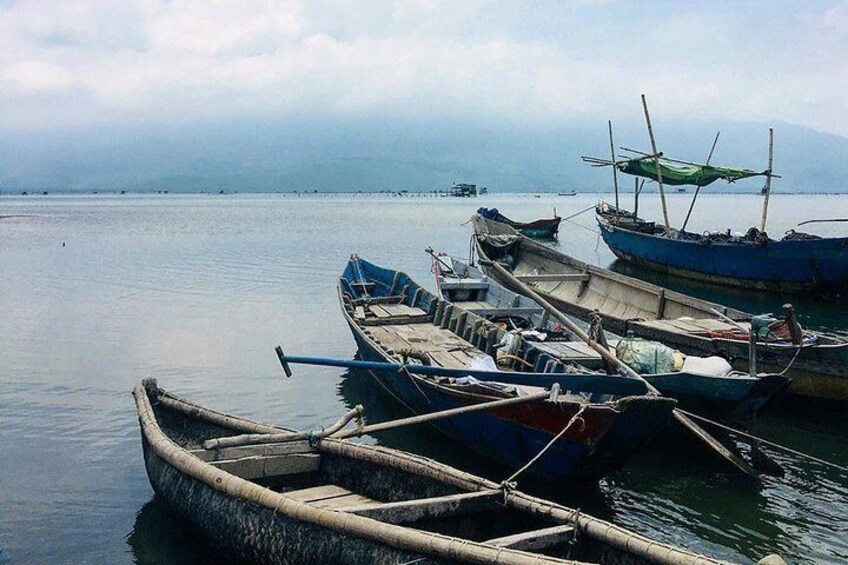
[
  {"x": 590, "y": 433},
  {"x": 798, "y": 261},
  {"x": 732, "y": 395},
  {"x": 545, "y": 228},
  {"x": 754, "y": 260}
]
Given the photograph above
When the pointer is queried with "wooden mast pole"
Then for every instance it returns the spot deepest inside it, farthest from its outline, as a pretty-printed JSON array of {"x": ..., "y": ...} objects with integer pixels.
[
  {"x": 698, "y": 188},
  {"x": 659, "y": 169},
  {"x": 768, "y": 181},
  {"x": 614, "y": 167}
]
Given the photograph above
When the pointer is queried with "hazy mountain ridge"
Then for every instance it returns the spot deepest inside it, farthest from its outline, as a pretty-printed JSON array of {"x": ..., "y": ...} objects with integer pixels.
[{"x": 396, "y": 155}]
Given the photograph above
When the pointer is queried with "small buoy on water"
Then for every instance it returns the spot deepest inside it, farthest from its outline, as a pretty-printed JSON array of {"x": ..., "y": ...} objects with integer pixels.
[{"x": 63, "y": 244}]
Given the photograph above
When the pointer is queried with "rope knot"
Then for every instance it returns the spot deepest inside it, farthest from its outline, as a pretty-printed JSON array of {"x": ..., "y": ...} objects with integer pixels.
[{"x": 315, "y": 437}]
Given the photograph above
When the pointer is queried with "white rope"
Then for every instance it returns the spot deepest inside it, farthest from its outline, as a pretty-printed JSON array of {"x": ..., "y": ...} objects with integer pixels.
[
  {"x": 592, "y": 207},
  {"x": 577, "y": 417},
  {"x": 761, "y": 440}
]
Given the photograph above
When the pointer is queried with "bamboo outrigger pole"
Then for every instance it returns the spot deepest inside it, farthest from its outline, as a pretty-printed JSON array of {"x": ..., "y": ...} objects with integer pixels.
[
  {"x": 614, "y": 167},
  {"x": 659, "y": 168},
  {"x": 768, "y": 180},
  {"x": 687, "y": 422},
  {"x": 698, "y": 188}
]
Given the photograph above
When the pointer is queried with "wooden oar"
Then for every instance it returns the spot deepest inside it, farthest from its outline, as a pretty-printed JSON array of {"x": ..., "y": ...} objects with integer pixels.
[
  {"x": 688, "y": 423},
  {"x": 333, "y": 431},
  {"x": 592, "y": 384}
]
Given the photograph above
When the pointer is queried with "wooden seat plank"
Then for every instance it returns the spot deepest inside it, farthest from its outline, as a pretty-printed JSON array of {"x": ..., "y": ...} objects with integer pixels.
[{"x": 536, "y": 539}]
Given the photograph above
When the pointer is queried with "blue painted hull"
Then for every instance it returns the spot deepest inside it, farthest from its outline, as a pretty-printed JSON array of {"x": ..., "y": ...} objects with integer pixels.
[
  {"x": 500, "y": 437},
  {"x": 607, "y": 435},
  {"x": 774, "y": 265}
]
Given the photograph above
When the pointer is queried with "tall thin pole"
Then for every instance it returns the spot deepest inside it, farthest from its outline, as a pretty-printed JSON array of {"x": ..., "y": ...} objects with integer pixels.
[
  {"x": 768, "y": 180},
  {"x": 636, "y": 192},
  {"x": 659, "y": 169},
  {"x": 698, "y": 188},
  {"x": 614, "y": 168}
]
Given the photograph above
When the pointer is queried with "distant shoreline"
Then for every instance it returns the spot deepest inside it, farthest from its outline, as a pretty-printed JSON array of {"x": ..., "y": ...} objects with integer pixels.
[{"x": 374, "y": 193}]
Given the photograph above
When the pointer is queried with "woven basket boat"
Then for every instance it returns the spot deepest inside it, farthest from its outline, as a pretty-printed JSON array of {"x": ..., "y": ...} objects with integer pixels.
[{"x": 340, "y": 502}]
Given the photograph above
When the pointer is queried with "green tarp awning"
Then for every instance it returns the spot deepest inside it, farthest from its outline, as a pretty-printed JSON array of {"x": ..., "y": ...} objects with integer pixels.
[{"x": 677, "y": 174}]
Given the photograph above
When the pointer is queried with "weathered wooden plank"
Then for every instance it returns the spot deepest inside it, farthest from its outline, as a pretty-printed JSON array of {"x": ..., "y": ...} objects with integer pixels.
[
  {"x": 315, "y": 494},
  {"x": 394, "y": 309},
  {"x": 347, "y": 500},
  {"x": 359, "y": 313},
  {"x": 536, "y": 539},
  {"x": 445, "y": 359},
  {"x": 408, "y": 511},
  {"x": 243, "y": 451},
  {"x": 269, "y": 466},
  {"x": 377, "y": 300},
  {"x": 379, "y": 311},
  {"x": 469, "y": 284},
  {"x": 554, "y": 277}
]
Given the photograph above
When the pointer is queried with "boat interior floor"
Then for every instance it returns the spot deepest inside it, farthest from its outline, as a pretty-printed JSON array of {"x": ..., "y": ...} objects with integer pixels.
[{"x": 386, "y": 312}]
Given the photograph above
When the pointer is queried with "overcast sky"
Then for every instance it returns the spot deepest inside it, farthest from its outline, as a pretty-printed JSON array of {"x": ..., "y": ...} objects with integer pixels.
[{"x": 70, "y": 63}]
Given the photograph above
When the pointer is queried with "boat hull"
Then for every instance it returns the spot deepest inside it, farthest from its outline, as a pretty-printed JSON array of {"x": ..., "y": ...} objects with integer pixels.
[
  {"x": 250, "y": 533},
  {"x": 540, "y": 229},
  {"x": 514, "y": 435},
  {"x": 632, "y": 305},
  {"x": 792, "y": 266}
]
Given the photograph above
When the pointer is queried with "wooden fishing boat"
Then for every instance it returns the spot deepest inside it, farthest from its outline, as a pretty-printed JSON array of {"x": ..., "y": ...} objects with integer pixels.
[
  {"x": 332, "y": 501},
  {"x": 794, "y": 263},
  {"x": 735, "y": 396},
  {"x": 819, "y": 368},
  {"x": 546, "y": 228},
  {"x": 393, "y": 319}
]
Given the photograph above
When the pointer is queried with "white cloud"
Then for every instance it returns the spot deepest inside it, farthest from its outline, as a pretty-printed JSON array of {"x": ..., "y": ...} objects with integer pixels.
[
  {"x": 155, "y": 60},
  {"x": 36, "y": 77}
]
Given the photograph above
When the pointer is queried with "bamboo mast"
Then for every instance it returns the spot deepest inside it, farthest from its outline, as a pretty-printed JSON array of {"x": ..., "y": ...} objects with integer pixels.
[
  {"x": 636, "y": 190},
  {"x": 768, "y": 180},
  {"x": 698, "y": 188},
  {"x": 659, "y": 168},
  {"x": 614, "y": 167}
]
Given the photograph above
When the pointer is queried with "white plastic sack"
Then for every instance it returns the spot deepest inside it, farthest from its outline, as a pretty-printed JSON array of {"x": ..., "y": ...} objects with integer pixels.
[
  {"x": 482, "y": 364},
  {"x": 715, "y": 366}
]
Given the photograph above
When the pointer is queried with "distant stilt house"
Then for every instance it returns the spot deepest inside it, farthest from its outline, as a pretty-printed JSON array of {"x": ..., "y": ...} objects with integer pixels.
[{"x": 463, "y": 190}]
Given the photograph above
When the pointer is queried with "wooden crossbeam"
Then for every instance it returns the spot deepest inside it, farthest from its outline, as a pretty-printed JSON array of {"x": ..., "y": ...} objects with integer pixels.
[
  {"x": 408, "y": 511},
  {"x": 536, "y": 539},
  {"x": 262, "y": 466},
  {"x": 554, "y": 277},
  {"x": 240, "y": 452}
]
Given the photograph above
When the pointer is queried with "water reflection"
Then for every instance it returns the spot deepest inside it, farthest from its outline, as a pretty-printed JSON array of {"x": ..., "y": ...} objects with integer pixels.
[{"x": 159, "y": 538}]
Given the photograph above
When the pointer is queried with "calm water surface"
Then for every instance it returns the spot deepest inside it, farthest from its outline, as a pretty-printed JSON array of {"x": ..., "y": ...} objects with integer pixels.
[{"x": 197, "y": 290}]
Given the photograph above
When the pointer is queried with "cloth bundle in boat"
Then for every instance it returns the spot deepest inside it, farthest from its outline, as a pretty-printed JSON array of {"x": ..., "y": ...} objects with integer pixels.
[
  {"x": 715, "y": 366},
  {"x": 678, "y": 173},
  {"x": 645, "y": 356}
]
